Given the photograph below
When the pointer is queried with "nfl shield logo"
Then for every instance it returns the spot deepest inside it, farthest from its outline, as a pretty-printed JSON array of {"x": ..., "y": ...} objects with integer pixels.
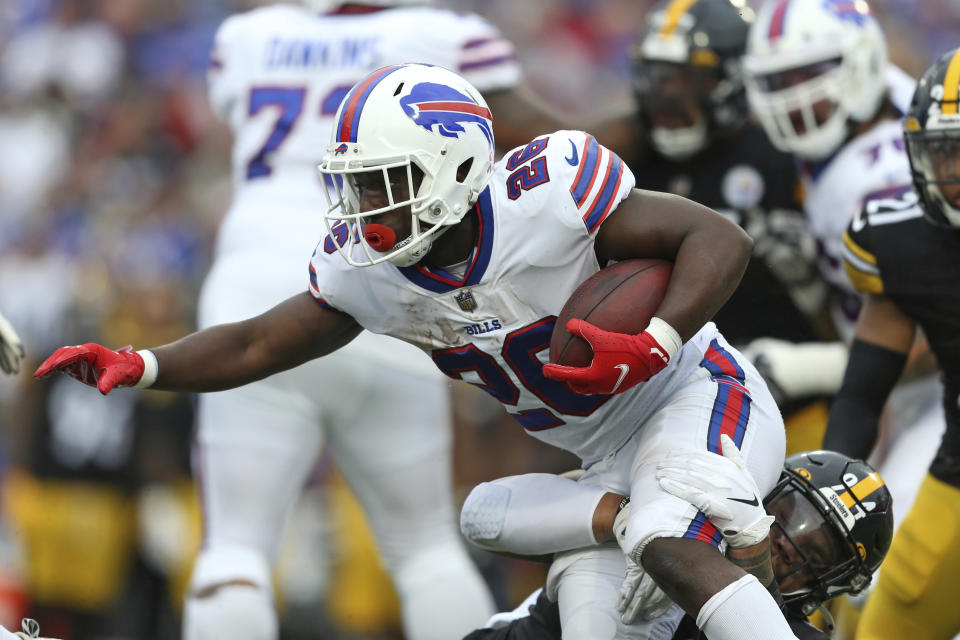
[{"x": 466, "y": 300}]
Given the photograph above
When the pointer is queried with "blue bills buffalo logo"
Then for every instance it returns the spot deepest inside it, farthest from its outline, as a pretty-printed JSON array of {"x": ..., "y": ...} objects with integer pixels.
[
  {"x": 444, "y": 110},
  {"x": 341, "y": 149}
]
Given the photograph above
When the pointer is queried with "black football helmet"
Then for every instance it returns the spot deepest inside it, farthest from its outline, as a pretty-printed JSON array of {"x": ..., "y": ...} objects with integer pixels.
[
  {"x": 834, "y": 522},
  {"x": 687, "y": 74},
  {"x": 932, "y": 134}
]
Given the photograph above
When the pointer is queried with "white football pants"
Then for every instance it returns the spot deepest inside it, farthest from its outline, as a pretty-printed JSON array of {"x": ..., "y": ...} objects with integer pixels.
[{"x": 385, "y": 414}]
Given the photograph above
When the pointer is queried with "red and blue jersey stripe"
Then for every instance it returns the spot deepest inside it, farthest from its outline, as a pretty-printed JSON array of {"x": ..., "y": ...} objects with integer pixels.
[
  {"x": 730, "y": 415},
  {"x": 592, "y": 167},
  {"x": 353, "y": 103}
]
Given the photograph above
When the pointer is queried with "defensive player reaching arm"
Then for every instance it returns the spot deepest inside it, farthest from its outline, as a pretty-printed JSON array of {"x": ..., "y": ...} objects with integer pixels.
[
  {"x": 815, "y": 553},
  {"x": 414, "y": 186}
]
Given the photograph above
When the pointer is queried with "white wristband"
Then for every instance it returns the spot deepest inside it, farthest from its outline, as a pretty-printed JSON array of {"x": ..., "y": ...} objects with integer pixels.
[
  {"x": 665, "y": 335},
  {"x": 150, "y": 369}
]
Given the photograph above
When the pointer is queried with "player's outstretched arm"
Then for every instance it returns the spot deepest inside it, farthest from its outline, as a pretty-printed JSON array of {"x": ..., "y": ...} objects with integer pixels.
[
  {"x": 221, "y": 357},
  {"x": 709, "y": 252},
  {"x": 883, "y": 338}
]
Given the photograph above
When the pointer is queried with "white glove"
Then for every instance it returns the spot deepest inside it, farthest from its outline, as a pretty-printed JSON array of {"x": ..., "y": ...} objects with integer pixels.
[
  {"x": 639, "y": 594},
  {"x": 720, "y": 487},
  {"x": 11, "y": 349}
]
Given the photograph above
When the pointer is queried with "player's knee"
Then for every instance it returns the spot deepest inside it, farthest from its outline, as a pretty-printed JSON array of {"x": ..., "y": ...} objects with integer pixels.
[
  {"x": 237, "y": 610},
  {"x": 483, "y": 514},
  {"x": 661, "y": 560},
  {"x": 688, "y": 570}
]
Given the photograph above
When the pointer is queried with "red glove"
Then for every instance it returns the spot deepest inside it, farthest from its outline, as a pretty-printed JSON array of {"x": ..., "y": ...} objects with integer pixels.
[
  {"x": 95, "y": 365},
  {"x": 620, "y": 360}
]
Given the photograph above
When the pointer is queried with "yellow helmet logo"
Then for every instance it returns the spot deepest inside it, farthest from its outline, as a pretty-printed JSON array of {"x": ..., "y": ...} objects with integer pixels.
[
  {"x": 862, "y": 550},
  {"x": 803, "y": 473}
]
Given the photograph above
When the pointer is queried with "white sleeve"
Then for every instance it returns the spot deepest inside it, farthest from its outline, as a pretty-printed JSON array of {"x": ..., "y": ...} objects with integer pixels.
[
  {"x": 588, "y": 180},
  {"x": 486, "y": 58},
  {"x": 321, "y": 285},
  {"x": 565, "y": 184},
  {"x": 226, "y": 67}
]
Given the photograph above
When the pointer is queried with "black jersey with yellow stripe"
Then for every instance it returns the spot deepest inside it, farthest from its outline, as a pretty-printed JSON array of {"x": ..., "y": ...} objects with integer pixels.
[{"x": 891, "y": 249}]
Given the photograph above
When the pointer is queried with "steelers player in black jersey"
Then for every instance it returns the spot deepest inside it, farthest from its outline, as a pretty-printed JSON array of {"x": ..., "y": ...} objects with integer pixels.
[
  {"x": 833, "y": 521},
  {"x": 701, "y": 144},
  {"x": 904, "y": 254}
]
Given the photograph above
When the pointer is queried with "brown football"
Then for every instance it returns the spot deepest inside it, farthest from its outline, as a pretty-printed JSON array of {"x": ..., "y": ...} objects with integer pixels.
[{"x": 622, "y": 298}]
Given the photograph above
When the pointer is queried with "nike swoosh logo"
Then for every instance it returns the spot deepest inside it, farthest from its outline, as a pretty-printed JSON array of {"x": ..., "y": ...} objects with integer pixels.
[
  {"x": 624, "y": 370},
  {"x": 575, "y": 158},
  {"x": 752, "y": 503}
]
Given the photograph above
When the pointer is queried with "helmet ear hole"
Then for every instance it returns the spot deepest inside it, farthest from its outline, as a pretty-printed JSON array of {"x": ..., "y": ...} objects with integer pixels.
[
  {"x": 399, "y": 89},
  {"x": 464, "y": 169}
]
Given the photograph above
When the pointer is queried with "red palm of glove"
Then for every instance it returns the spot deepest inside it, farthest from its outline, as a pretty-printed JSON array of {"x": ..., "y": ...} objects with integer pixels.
[
  {"x": 95, "y": 365},
  {"x": 620, "y": 360}
]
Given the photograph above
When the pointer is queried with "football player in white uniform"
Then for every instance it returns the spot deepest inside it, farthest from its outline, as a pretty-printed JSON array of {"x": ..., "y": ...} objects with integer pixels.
[
  {"x": 819, "y": 80},
  {"x": 277, "y": 76},
  {"x": 817, "y": 77},
  {"x": 471, "y": 261}
]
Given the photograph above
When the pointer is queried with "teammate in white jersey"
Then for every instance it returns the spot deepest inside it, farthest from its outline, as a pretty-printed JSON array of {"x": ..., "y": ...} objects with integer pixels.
[
  {"x": 817, "y": 77},
  {"x": 471, "y": 262},
  {"x": 277, "y": 76}
]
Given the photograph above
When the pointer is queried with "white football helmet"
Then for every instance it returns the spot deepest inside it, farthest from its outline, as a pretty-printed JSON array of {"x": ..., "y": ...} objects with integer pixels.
[
  {"x": 406, "y": 116},
  {"x": 811, "y": 67}
]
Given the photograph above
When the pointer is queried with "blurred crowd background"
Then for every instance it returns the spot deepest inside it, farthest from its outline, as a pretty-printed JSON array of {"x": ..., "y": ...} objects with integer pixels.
[{"x": 113, "y": 178}]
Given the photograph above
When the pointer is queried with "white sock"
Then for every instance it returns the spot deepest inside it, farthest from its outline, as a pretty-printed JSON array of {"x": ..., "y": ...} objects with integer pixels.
[
  {"x": 743, "y": 610},
  {"x": 7, "y": 635}
]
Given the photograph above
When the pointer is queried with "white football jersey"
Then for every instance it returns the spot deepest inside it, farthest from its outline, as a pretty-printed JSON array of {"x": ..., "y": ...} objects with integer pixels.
[
  {"x": 278, "y": 74},
  {"x": 871, "y": 165},
  {"x": 491, "y": 326}
]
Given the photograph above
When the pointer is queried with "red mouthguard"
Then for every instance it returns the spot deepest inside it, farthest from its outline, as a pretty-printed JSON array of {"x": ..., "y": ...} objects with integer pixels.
[{"x": 380, "y": 237}]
